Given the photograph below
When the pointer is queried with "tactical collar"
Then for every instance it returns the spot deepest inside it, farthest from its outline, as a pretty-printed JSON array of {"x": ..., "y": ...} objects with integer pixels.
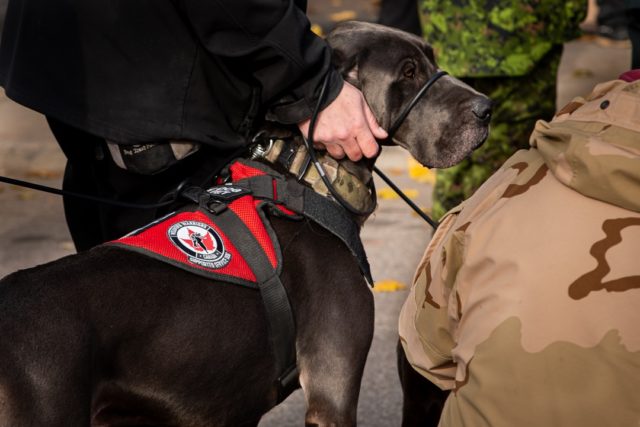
[{"x": 293, "y": 157}]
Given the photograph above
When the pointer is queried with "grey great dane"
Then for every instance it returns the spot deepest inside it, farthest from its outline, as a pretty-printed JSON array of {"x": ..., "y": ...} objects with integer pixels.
[{"x": 111, "y": 337}]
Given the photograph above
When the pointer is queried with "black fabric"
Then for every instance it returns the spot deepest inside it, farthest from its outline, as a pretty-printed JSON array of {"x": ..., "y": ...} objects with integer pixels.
[
  {"x": 90, "y": 170},
  {"x": 401, "y": 14},
  {"x": 634, "y": 36},
  {"x": 334, "y": 218},
  {"x": 151, "y": 70}
]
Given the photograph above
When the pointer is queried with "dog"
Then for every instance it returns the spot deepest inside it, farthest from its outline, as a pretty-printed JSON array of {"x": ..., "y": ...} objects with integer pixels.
[{"x": 111, "y": 337}]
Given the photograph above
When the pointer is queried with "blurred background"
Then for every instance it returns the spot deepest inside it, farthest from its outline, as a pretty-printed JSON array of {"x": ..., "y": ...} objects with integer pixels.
[{"x": 33, "y": 231}]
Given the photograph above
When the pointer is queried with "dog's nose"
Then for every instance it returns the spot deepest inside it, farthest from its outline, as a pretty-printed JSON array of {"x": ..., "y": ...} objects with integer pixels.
[{"x": 482, "y": 108}]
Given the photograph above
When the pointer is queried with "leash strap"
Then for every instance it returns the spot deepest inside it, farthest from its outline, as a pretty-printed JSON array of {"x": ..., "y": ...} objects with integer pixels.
[
  {"x": 274, "y": 297},
  {"x": 407, "y": 109}
]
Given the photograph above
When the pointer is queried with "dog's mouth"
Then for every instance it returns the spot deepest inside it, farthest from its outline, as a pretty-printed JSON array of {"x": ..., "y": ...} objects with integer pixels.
[
  {"x": 468, "y": 140},
  {"x": 484, "y": 135}
]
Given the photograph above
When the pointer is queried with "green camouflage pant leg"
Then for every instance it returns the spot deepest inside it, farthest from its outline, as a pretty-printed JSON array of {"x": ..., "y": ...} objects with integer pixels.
[{"x": 518, "y": 103}]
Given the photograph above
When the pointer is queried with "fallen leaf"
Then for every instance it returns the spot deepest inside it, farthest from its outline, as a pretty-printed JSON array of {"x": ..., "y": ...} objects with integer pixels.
[
  {"x": 317, "y": 29},
  {"x": 345, "y": 15},
  {"x": 43, "y": 173},
  {"x": 388, "y": 286},
  {"x": 67, "y": 245},
  {"x": 388, "y": 194},
  {"x": 582, "y": 72},
  {"x": 419, "y": 173},
  {"x": 26, "y": 195}
]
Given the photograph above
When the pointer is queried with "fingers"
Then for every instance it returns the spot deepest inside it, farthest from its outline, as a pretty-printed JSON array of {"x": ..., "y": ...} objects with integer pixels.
[
  {"x": 367, "y": 145},
  {"x": 335, "y": 151},
  {"x": 376, "y": 129},
  {"x": 347, "y": 126},
  {"x": 352, "y": 149}
]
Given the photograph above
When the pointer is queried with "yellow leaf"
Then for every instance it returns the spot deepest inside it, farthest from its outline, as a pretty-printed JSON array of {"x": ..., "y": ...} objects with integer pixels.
[
  {"x": 345, "y": 15},
  {"x": 419, "y": 173},
  {"x": 317, "y": 29},
  {"x": 43, "y": 173},
  {"x": 67, "y": 245},
  {"x": 388, "y": 194},
  {"x": 388, "y": 286},
  {"x": 26, "y": 195}
]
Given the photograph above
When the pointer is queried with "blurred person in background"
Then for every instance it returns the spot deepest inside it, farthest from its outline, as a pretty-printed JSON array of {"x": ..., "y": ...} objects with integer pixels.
[
  {"x": 400, "y": 14},
  {"x": 612, "y": 21},
  {"x": 510, "y": 51},
  {"x": 633, "y": 12}
]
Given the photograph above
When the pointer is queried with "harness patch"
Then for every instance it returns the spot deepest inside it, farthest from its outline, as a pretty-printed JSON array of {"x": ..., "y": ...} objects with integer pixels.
[{"x": 200, "y": 242}]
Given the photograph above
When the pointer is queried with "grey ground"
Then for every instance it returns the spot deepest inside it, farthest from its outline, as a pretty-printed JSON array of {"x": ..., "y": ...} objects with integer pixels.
[{"x": 32, "y": 228}]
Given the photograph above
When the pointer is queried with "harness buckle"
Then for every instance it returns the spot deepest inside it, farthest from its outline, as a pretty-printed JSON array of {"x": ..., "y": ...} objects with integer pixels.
[
  {"x": 215, "y": 207},
  {"x": 260, "y": 145}
]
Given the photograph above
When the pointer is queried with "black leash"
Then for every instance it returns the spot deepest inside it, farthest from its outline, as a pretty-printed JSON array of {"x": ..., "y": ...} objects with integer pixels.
[
  {"x": 392, "y": 130},
  {"x": 96, "y": 199},
  {"x": 406, "y": 198}
]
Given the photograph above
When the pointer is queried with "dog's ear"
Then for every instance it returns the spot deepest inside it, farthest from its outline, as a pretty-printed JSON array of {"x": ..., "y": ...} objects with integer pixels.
[
  {"x": 346, "y": 64},
  {"x": 428, "y": 51},
  {"x": 348, "y": 43}
]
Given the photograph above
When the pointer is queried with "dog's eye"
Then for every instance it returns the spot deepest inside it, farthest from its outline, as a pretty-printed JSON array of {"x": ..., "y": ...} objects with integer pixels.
[{"x": 409, "y": 70}]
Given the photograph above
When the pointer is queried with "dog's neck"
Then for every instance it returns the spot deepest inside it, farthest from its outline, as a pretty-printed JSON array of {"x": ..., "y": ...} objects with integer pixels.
[{"x": 352, "y": 180}]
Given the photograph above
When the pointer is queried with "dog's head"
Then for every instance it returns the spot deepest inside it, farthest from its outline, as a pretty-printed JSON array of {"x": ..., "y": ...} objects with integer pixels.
[{"x": 390, "y": 67}]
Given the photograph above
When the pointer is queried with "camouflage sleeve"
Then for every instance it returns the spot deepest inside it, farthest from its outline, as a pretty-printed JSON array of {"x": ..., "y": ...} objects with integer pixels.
[
  {"x": 430, "y": 314},
  {"x": 490, "y": 38}
]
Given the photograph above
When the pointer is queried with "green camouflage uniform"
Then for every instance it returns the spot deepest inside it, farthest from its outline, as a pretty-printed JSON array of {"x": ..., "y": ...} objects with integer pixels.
[
  {"x": 536, "y": 324},
  {"x": 509, "y": 50}
]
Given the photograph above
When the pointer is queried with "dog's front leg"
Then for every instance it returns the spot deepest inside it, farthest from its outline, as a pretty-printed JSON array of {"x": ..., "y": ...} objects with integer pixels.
[
  {"x": 331, "y": 359},
  {"x": 331, "y": 373},
  {"x": 334, "y": 314}
]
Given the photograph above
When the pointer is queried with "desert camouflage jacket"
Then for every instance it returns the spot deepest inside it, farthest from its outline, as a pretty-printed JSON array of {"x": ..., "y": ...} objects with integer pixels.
[
  {"x": 488, "y": 38},
  {"x": 526, "y": 303}
]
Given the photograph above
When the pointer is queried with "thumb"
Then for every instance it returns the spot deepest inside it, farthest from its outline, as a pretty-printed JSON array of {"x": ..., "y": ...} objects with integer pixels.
[{"x": 376, "y": 129}]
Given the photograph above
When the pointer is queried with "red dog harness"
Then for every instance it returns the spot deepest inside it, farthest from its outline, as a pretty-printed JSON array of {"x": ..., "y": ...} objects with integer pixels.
[
  {"x": 226, "y": 236},
  {"x": 193, "y": 239}
]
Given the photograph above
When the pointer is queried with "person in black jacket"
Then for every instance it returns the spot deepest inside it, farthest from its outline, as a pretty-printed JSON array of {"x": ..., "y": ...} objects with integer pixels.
[
  {"x": 141, "y": 83},
  {"x": 401, "y": 14}
]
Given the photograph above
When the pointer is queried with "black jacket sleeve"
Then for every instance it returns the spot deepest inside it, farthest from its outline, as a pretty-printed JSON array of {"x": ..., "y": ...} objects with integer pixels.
[{"x": 272, "y": 41}]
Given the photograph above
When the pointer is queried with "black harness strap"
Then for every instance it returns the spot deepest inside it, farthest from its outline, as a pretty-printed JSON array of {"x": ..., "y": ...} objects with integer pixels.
[
  {"x": 274, "y": 297},
  {"x": 307, "y": 202}
]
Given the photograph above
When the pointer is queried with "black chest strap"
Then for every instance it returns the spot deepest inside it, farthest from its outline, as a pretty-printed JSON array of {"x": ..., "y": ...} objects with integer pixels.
[
  {"x": 274, "y": 297},
  {"x": 307, "y": 202}
]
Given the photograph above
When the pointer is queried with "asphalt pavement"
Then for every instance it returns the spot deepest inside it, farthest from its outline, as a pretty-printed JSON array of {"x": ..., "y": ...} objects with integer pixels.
[{"x": 32, "y": 228}]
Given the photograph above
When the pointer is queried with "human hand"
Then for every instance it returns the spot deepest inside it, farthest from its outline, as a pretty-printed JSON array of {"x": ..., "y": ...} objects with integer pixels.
[{"x": 346, "y": 126}]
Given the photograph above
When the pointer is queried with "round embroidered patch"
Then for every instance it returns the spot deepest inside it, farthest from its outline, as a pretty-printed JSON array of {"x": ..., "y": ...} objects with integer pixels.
[{"x": 201, "y": 243}]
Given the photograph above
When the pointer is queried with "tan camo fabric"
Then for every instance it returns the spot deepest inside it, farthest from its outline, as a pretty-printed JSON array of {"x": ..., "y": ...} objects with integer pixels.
[{"x": 527, "y": 301}]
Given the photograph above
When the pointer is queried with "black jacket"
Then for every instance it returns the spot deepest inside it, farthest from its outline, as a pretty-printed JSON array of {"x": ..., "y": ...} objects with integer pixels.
[{"x": 148, "y": 70}]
